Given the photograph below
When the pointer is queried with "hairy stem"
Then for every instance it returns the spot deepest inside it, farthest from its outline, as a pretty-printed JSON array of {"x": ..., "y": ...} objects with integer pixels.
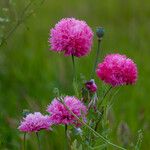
[{"x": 94, "y": 132}]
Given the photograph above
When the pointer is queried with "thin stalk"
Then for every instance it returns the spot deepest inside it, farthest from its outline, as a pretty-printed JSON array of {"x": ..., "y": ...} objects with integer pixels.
[
  {"x": 96, "y": 59},
  {"x": 112, "y": 98},
  {"x": 94, "y": 132},
  {"x": 110, "y": 88},
  {"x": 75, "y": 86},
  {"x": 74, "y": 68},
  {"x": 38, "y": 140},
  {"x": 20, "y": 20},
  {"x": 99, "y": 119},
  {"x": 66, "y": 134},
  {"x": 24, "y": 141}
]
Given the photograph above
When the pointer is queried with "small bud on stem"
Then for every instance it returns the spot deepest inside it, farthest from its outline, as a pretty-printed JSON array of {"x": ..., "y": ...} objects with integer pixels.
[{"x": 100, "y": 32}]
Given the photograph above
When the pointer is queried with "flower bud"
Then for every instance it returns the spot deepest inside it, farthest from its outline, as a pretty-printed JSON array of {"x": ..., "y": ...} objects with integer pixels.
[
  {"x": 100, "y": 32},
  {"x": 91, "y": 86}
]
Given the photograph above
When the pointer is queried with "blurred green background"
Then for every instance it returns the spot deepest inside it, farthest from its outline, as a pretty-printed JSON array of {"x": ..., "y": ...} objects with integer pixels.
[{"x": 29, "y": 71}]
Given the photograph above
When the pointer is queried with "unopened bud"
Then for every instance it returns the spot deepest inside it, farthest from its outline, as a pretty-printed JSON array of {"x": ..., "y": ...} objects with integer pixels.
[
  {"x": 100, "y": 32},
  {"x": 91, "y": 86}
]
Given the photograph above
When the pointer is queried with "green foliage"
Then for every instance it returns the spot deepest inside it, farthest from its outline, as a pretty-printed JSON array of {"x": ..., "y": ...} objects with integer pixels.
[{"x": 139, "y": 140}]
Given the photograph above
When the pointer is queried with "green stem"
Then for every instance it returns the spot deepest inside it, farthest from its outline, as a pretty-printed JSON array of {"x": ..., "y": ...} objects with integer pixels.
[
  {"x": 38, "y": 140},
  {"x": 74, "y": 68},
  {"x": 99, "y": 119},
  {"x": 75, "y": 86},
  {"x": 109, "y": 89},
  {"x": 96, "y": 59},
  {"x": 112, "y": 99},
  {"x": 94, "y": 132},
  {"x": 24, "y": 141},
  {"x": 105, "y": 108},
  {"x": 67, "y": 139}
]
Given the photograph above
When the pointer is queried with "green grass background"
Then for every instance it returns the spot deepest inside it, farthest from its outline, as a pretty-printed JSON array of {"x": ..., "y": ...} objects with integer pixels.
[{"x": 29, "y": 71}]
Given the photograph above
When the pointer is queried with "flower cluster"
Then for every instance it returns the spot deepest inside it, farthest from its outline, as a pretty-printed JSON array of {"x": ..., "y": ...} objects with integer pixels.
[
  {"x": 59, "y": 113},
  {"x": 117, "y": 70},
  {"x": 34, "y": 123},
  {"x": 73, "y": 37}
]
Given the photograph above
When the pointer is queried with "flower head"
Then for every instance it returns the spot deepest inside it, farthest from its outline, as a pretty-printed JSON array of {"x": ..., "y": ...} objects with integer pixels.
[
  {"x": 117, "y": 70},
  {"x": 91, "y": 86},
  {"x": 73, "y": 37},
  {"x": 34, "y": 122},
  {"x": 59, "y": 114}
]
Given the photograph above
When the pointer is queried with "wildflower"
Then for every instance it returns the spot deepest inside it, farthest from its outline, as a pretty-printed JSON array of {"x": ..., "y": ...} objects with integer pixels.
[
  {"x": 117, "y": 70},
  {"x": 71, "y": 36},
  {"x": 91, "y": 86},
  {"x": 34, "y": 122},
  {"x": 59, "y": 114}
]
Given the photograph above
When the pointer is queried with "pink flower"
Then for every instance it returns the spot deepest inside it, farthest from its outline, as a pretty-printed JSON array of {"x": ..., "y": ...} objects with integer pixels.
[
  {"x": 60, "y": 115},
  {"x": 117, "y": 70},
  {"x": 73, "y": 37},
  {"x": 34, "y": 122},
  {"x": 91, "y": 86}
]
